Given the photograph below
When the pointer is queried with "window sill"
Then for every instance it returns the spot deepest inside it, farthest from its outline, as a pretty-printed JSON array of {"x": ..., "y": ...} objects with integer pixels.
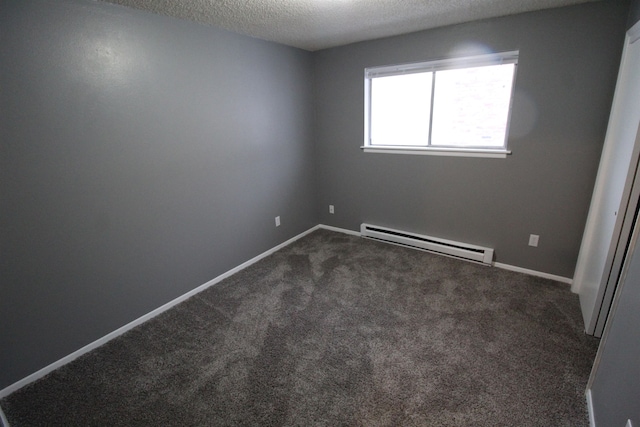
[{"x": 431, "y": 151}]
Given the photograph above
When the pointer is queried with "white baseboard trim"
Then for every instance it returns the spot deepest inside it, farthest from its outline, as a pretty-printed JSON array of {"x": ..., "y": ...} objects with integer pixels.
[
  {"x": 495, "y": 264},
  {"x": 592, "y": 416},
  {"x": 97, "y": 343},
  {"x": 339, "y": 230},
  {"x": 533, "y": 273},
  {"x": 3, "y": 419}
]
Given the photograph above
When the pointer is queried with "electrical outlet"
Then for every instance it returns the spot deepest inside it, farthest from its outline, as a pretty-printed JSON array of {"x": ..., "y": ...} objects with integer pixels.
[
  {"x": 533, "y": 240},
  {"x": 277, "y": 221},
  {"x": 331, "y": 209}
]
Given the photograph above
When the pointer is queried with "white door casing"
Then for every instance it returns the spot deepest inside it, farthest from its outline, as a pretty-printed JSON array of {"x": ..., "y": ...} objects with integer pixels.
[{"x": 611, "y": 192}]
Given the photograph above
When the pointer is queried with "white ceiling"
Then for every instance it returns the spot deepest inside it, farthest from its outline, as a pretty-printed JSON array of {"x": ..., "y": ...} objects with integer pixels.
[{"x": 319, "y": 24}]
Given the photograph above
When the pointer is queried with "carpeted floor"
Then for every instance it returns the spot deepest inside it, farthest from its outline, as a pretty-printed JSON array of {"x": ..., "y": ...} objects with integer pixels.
[{"x": 335, "y": 330}]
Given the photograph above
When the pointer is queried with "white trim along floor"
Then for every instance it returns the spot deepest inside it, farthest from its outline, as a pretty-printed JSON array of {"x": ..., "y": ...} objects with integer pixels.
[{"x": 95, "y": 344}]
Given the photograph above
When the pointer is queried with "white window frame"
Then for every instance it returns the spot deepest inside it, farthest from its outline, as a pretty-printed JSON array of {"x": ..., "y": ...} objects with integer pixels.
[{"x": 510, "y": 57}]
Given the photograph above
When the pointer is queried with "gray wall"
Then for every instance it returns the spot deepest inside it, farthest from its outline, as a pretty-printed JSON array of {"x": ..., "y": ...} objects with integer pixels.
[
  {"x": 140, "y": 157},
  {"x": 634, "y": 13},
  {"x": 569, "y": 59}
]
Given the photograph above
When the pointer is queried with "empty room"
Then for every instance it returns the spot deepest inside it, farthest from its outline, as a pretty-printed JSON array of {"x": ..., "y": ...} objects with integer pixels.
[{"x": 319, "y": 212}]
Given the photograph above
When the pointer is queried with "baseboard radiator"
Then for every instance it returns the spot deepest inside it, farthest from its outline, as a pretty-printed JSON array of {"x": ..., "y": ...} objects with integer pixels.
[{"x": 432, "y": 244}]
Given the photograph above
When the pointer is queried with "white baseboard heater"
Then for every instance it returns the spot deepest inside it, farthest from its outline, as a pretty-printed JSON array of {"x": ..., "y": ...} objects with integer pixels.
[{"x": 432, "y": 244}]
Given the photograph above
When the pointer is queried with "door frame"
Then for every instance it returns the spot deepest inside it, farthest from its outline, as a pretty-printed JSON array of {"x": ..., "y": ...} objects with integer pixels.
[{"x": 603, "y": 245}]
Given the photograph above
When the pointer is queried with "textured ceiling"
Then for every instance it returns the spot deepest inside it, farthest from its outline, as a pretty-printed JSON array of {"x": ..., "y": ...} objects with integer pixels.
[{"x": 319, "y": 24}]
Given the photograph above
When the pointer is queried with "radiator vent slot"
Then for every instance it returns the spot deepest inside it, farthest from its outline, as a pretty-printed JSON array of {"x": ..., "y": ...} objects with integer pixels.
[{"x": 432, "y": 244}]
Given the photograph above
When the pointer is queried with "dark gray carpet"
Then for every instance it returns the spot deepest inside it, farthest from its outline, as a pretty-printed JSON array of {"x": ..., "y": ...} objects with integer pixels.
[{"x": 335, "y": 330}]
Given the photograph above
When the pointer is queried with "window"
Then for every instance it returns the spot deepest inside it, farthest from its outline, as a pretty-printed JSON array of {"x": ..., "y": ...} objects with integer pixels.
[{"x": 455, "y": 106}]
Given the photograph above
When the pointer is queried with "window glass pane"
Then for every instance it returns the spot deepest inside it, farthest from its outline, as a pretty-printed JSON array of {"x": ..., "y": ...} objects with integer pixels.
[
  {"x": 400, "y": 109},
  {"x": 471, "y": 106}
]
